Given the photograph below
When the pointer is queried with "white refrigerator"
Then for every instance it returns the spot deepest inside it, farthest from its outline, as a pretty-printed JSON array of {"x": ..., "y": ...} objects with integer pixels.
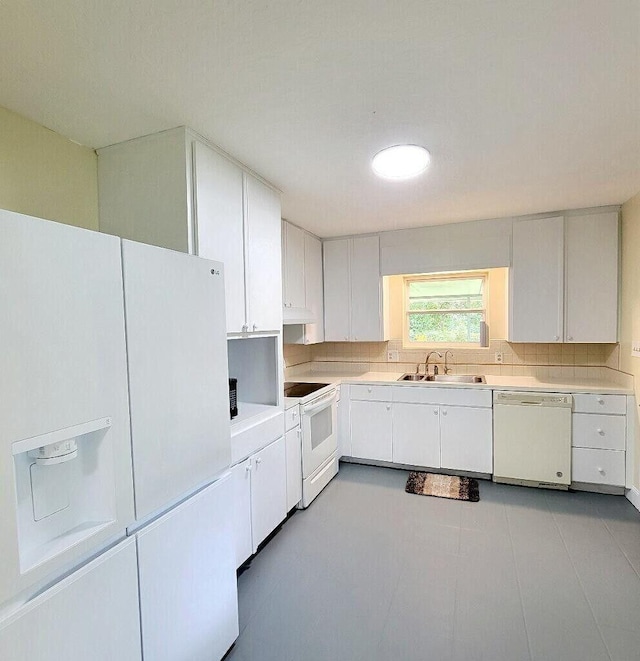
[
  {"x": 66, "y": 492},
  {"x": 100, "y": 527},
  {"x": 180, "y": 428}
]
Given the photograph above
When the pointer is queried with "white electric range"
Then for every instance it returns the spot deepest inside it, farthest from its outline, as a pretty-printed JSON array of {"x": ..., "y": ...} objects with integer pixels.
[{"x": 318, "y": 423}]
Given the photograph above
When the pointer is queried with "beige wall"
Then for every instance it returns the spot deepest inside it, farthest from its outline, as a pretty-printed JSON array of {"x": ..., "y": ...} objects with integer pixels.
[
  {"x": 44, "y": 174},
  {"x": 497, "y": 301},
  {"x": 630, "y": 303}
]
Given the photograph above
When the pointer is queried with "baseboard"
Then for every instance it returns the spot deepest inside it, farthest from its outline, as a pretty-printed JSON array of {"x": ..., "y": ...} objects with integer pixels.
[{"x": 633, "y": 496}]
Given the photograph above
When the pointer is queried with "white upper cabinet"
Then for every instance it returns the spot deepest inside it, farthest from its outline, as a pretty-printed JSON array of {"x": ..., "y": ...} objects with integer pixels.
[
  {"x": 303, "y": 311},
  {"x": 263, "y": 264},
  {"x": 218, "y": 197},
  {"x": 314, "y": 289},
  {"x": 293, "y": 266},
  {"x": 564, "y": 279},
  {"x": 172, "y": 189},
  {"x": 536, "y": 281},
  {"x": 591, "y": 313},
  {"x": 353, "y": 290}
]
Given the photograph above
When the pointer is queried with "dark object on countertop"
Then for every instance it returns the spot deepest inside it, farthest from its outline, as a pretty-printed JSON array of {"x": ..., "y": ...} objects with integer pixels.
[
  {"x": 233, "y": 398},
  {"x": 443, "y": 486}
]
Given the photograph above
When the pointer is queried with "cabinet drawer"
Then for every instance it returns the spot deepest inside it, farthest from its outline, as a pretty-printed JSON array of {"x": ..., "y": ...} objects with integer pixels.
[
  {"x": 598, "y": 466},
  {"x": 371, "y": 393},
  {"x": 615, "y": 404},
  {"x": 291, "y": 417},
  {"x": 605, "y": 432},
  {"x": 427, "y": 394}
]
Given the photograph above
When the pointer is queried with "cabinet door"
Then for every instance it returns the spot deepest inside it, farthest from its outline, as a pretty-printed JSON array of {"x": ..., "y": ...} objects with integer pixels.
[
  {"x": 536, "y": 284},
  {"x": 416, "y": 435},
  {"x": 187, "y": 577},
  {"x": 268, "y": 490},
  {"x": 371, "y": 430},
  {"x": 294, "y": 467},
  {"x": 241, "y": 520},
  {"x": 366, "y": 290},
  {"x": 337, "y": 288},
  {"x": 294, "y": 266},
  {"x": 592, "y": 278},
  {"x": 314, "y": 291},
  {"x": 466, "y": 439},
  {"x": 219, "y": 224},
  {"x": 263, "y": 259}
]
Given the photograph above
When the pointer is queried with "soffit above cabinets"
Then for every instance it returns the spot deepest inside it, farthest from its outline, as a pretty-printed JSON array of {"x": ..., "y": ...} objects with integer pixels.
[{"x": 525, "y": 107}]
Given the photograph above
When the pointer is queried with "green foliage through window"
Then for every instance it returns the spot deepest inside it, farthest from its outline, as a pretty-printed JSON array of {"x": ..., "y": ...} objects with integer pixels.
[{"x": 445, "y": 310}]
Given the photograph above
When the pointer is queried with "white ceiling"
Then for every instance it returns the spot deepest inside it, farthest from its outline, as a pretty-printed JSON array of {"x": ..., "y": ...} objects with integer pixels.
[{"x": 526, "y": 106}]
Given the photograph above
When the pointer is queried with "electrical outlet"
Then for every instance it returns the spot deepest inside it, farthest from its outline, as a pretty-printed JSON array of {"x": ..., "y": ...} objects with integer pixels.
[
  {"x": 635, "y": 348},
  {"x": 392, "y": 356},
  {"x": 498, "y": 356}
]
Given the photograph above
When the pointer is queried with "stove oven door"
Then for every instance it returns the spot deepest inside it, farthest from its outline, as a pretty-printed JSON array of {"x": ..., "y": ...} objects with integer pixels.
[{"x": 319, "y": 431}]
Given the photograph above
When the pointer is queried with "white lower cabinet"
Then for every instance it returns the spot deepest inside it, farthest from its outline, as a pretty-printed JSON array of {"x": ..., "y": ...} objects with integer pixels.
[
  {"x": 293, "y": 446},
  {"x": 371, "y": 430},
  {"x": 419, "y": 427},
  {"x": 466, "y": 439},
  {"x": 268, "y": 491},
  {"x": 241, "y": 480},
  {"x": 599, "y": 440},
  {"x": 90, "y": 614},
  {"x": 187, "y": 578},
  {"x": 416, "y": 434},
  {"x": 260, "y": 498}
]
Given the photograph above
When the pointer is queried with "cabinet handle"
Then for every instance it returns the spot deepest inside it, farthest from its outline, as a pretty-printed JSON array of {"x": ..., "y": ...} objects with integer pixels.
[
  {"x": 245, "y": 328},
  {"x": 255, "y": 328},
  {"x": 600, "y": 432},
  {"x": 388, "y": 407},
  {"x": 356, "y": 338},
  {"x": 601, "y": 470},
  {"x": 258, "y": 460},
  {"x": 294, "y": 414},
  {"x": 556, "y": 338},
  {"x": 435, "y": 411},
  {"x": 570, "y": 338},
  {"x": 369, "y": 389},
  {"x": 248, "y": 468},
  {"x": 346, "y": 338},
  {"x": 444, "y": 412},
  {"x": 600, "y": 400}
]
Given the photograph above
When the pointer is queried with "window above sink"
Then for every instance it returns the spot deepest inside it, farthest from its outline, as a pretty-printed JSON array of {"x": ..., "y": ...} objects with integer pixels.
[{"x": 445, "y": 309}]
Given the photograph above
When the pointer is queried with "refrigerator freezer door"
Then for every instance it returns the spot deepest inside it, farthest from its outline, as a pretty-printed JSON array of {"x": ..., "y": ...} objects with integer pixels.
[
  {"x": 63, "y": 381},
  {"x": 188, "y": 588},
  {"x": 91, "y": 614},
  {"x": 178, "y": 373}
]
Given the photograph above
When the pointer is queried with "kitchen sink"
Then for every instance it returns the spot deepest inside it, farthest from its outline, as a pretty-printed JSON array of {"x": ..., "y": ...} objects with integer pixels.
[
  {"x": 456, "y": 378},
  {"x": 411, "y": 377}
]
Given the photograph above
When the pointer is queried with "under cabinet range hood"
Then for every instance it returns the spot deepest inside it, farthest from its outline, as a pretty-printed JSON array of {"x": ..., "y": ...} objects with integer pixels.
[{"x": 291, "y": 315}]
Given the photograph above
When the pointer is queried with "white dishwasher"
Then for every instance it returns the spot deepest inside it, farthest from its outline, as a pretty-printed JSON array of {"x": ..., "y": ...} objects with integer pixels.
[{"x": 532, "y": 438}]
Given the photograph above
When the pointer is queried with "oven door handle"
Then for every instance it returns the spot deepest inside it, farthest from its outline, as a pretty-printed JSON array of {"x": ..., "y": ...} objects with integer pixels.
[{"x": 314, "y": 407}]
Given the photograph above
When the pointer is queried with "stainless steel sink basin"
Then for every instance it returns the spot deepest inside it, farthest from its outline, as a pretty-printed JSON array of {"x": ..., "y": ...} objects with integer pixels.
[
  {"x": 411, "y": 377},
  {"x": 456, "y": 378}
]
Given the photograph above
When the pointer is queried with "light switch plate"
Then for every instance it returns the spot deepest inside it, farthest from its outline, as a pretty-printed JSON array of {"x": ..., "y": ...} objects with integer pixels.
[
  {"x": 635, "y": 348},
  {"x": 392, "y": 356}
]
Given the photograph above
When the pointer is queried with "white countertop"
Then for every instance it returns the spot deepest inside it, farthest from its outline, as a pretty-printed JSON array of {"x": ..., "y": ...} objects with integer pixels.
[{"x": 493, "y": 382}]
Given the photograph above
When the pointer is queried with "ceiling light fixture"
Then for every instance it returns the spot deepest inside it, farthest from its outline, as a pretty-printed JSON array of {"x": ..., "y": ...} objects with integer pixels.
[{"x": 401, "y": 161}]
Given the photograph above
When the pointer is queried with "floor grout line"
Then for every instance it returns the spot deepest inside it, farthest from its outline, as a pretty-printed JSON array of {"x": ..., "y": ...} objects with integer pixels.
[
  {"x": 515, "y": 566},
  {"x": 575, "y": 571}
]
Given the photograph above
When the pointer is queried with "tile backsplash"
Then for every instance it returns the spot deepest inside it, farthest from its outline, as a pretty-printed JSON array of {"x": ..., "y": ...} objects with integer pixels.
[{"x": 516, "y": 358}]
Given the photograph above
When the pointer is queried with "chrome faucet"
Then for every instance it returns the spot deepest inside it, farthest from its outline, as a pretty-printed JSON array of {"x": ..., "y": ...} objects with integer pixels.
[
  {"x": 426, "y": 363},
  {"x": 447, "y": 369}
]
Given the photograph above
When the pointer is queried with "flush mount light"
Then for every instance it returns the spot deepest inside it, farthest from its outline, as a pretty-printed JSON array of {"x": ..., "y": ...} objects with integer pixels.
[{"x": 401, "y": 161}]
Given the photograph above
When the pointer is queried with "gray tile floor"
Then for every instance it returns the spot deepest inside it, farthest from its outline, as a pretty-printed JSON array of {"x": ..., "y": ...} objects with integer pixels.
[{"x": 369, "y": 572}]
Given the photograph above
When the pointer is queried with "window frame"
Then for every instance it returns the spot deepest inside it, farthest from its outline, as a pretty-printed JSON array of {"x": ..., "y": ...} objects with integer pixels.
[{"x": 458, "y": 275}]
